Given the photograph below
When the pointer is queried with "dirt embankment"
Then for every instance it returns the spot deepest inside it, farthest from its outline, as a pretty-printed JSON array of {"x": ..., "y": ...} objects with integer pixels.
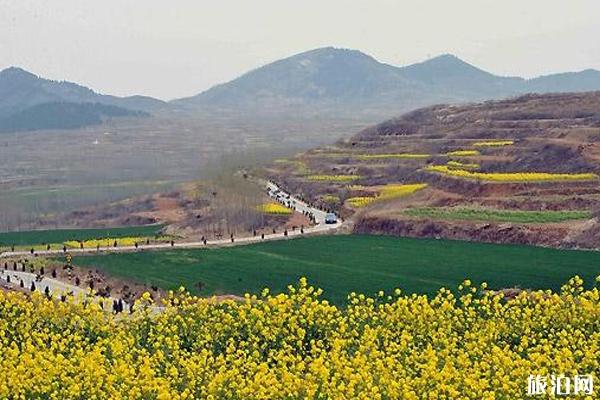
[{"x": 481, "y": 232}]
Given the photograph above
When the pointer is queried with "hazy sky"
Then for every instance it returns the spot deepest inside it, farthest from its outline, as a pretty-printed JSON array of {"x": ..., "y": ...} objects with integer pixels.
[{"x": 178, "y": 48}]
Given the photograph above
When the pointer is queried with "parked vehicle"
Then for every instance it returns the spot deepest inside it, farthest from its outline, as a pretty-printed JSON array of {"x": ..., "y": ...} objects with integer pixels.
[{"x": 330, "y": 218}]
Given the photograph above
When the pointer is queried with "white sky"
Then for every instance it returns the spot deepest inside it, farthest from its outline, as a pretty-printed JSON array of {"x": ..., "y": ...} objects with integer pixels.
[{"x": 178, "y": 48}]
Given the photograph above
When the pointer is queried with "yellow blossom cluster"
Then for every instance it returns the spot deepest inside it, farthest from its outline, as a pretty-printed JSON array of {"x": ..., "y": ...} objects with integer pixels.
[
  {"x": 461, "y": 165},
  {"x": 333, "y": 178},
  {"x": 463, "y": 153},
  {"x": 108, "y": 242},
  {"x": 511, "y": 176},
  {"x": 300, "y": 166},
  {"x": 469, "y": 344},
  {"x": 390, "y": 191},
  {"x": 391, "y": 156},
  {"x": 274, "y": 208},
  {"x": 360, "y": 201},
  {"x": 494, "y": 143},
  {"x": 329, "y": 198}
]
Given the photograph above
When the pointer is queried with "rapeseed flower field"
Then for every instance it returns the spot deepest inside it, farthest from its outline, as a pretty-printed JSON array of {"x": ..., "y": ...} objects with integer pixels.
[
  {"x": 463, "y": 153},
  {"x": 333, "y": 178},
  {"x": 391, "y": 156},
  {"x": 467, "y": 344},
  {"x": 108, "y": 242},
  {"x": 274, "y": 208},
  {"x": 494, "y": 143},
  {"x": 387, "y": 192},
  {"x": 511, "y": 176},
  {"x": 461, "y": 165}
]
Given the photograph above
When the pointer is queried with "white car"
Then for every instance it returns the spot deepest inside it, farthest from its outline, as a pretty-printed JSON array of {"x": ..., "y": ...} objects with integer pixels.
[{"x": 330, "y": 218}]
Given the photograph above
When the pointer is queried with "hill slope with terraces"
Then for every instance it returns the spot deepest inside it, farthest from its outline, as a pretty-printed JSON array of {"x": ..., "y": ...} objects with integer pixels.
[{"x": 523, "y": 170}]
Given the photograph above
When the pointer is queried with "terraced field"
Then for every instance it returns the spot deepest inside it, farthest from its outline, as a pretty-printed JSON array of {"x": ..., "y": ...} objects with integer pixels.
[
  {"x": 536, "y": 154},
  {"x": 482, "y": 214}
]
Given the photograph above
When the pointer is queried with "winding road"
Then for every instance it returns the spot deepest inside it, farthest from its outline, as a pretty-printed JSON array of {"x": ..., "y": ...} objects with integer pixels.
[
  {"x": 274, "y": 192},
  {"x": 56, "y": 286}
]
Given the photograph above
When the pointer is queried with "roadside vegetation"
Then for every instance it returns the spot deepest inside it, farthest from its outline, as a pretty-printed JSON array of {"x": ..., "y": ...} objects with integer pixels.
[
  {"x": 496, "y": 215},
  {"x": 116, "y": 242},
  {"x": 59, "y": 236}
]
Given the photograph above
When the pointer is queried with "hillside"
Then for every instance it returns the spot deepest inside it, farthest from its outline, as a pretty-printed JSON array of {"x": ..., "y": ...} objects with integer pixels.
[
  {"x": 523, "y": 170},
  {"x": 349, "y": 81},
  {"x": 63, "y": 116},
  {"x": 321, "y": 75},
  {"x": 20, "y": 89},
  {"x": 23, "y": 95}
]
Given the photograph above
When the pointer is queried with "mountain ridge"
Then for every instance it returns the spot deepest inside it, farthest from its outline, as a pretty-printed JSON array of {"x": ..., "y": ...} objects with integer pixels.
[
  {"x": 441, "y": 79},
  {"x": 325, "y": 81},
  {"x": 21, "y": 89}
]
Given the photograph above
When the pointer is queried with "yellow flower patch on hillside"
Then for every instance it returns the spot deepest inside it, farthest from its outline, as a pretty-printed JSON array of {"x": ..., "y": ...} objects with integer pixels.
[
  {"x": 391, "y": 156},
  {"x": 511, "y": 176},
  {"x": 333, "y": 178},
  {"x": 463, "y": 153},
  {"x": 494, "y": 143},
  {"x": 329, "y": 198},
  {"x": 460, "y": 165},
  {"x": 274, "y": 208},
  {"x": 386, "y": 192}
]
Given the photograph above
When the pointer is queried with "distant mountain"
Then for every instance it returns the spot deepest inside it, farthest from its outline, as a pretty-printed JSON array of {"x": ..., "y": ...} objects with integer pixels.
[
  {"x": 326, "y": 81},
  {"x": 351, "y": 81},
  {"x": 583, "y": 81},
  {"x": 20, "y": 90},
  {"x": 63, "y": 116},
  {"x": 322, "y": 75},
  {"x": 451, "y": 77}
]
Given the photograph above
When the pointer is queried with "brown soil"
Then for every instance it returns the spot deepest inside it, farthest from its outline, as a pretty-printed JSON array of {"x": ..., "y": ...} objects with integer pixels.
[
  {"x": 480, "y": 232},
  {"x": 165, "y": 210},
  {"x": 297, "y": 220},
  {"x": 556, "y": 133}
]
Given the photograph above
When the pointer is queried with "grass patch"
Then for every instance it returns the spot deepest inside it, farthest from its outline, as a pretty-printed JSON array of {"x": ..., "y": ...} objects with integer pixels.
[
  {"x": 26, "y": 238},
  {"x": 487, "y": 214},
  {"x": 345, "y": 263}
]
